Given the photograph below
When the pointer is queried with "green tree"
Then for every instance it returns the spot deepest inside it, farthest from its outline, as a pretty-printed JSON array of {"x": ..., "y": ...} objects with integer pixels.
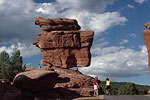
[
  {"x": 4, "y": 63},
  {"x": 128, "y": 89},
  {"x": 10, "y": 66},
  {"x": 16, "y": 61}
]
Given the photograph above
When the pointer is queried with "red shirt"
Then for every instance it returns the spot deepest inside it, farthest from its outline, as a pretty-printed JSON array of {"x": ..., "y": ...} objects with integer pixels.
[{"x": 95, "y": 82}]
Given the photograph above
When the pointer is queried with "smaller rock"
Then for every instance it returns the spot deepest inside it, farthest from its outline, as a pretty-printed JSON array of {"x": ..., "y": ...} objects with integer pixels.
[
  {"x": 35, "y": 80},
  {"x": 57, "y": 24}
]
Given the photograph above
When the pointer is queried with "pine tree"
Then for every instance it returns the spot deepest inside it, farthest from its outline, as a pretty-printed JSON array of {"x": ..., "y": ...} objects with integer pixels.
[
  {"x": 10, "y": 66},
  {"x": 4, "y": 63}
]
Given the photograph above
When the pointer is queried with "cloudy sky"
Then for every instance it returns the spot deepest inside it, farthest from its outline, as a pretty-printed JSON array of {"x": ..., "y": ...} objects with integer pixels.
[{"x": 118, "y": 49}]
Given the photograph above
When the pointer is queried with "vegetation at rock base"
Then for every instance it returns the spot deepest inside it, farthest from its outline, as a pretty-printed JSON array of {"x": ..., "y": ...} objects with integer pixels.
[
  {"x": 125, "y": 88},
  {"x": 10, "y": 66}
]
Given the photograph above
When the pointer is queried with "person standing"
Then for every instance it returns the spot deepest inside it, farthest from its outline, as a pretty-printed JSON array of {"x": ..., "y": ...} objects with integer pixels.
[
  {"x": 107, "y": 86},
  {"x": 96, "y": 86}
]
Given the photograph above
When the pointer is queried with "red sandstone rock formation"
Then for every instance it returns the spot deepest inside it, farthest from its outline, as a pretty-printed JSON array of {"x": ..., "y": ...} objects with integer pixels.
[
  {"x": 47, "y": 24},
  {"x": 74, "y": 81},
  {"x": 35, "y": 80},
  {"x": 62, "y": 46},
  {"x": 8, "y": 92},
  {"x": 146, "y": 37},
  {"x": 64, "y": 49}
]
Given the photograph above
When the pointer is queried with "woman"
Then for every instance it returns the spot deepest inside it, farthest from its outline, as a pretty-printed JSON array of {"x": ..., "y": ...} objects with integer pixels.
[
  {"x": 107, "y": 86},
  {"x": 95, "y": 83}
]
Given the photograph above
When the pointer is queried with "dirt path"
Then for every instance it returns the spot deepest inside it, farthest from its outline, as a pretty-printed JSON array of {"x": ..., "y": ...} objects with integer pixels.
[{"x": 116, "y": 97}]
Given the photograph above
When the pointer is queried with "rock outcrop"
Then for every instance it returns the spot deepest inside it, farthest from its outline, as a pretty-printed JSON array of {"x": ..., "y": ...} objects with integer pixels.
[
  {"x": 71, "y": 84},
  {"x": 8, "y": 92},
  {"x": 35, "y": 80},
  {"x": 63, "y": 47},
  {"x": 74, "y": 81},
  {"x": 146, "y": 37}
]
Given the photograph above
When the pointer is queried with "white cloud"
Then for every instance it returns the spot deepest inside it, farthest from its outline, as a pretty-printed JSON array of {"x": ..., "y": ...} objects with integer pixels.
[
  {"x": 124, "y": 41},
  {"x": 17, "y": 17},
  {"x": 130, "y": 6},
  {"x": 99, "y": 22},
  {"x": 88, "y": 5},
  {"x": 27, "y": 50},
  {"x": 1, "y": 2},
  {"x": 140, "y": 1},
  {"x": 116, "y": 62},
  {"x": 132, "y": 35}
]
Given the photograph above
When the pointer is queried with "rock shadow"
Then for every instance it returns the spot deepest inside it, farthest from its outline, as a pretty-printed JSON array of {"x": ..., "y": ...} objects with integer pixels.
[
  {"x": 67, "y": 94},
  {"x": 63, "y": 80}
]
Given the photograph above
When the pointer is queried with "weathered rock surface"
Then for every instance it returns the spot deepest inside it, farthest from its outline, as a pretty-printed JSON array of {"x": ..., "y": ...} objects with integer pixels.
[
  {"x": 64, "y": 39},
  {"x": 146, "y": 37},
  {"x": 61, "y": 43},
  {"x": 65, "y": 48},
  {"x": 57, "y": 24},
  {"x": 74, "y": 81},
  {"x": 8, "y": 92},
  {"x": 35, "y": 80},
  {"x": 29, "y": 68}
]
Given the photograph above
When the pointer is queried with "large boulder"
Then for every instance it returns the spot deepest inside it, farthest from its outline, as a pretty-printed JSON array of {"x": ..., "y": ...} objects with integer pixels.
[
  {"x": 47, "y": 24},
  {"x": 35, "y": 80},
  {"x": 8, "y": 92},
  {"x": 62, "y": 44},
  {"x": 65, "y": 49}
]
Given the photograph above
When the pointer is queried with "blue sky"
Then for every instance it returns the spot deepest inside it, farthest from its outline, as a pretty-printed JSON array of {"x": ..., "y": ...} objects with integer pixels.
[{"x": 118, "y": 49}]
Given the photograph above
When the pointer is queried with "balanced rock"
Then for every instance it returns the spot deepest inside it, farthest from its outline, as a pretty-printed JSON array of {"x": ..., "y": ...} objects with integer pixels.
[
  {"x": 146, "y": 37},
  {"x": 65, "y": 48},
  {"x": 8, "y": 92},
  {"x": 57, "y": 24},
  {"x": 35, "y": 80}
]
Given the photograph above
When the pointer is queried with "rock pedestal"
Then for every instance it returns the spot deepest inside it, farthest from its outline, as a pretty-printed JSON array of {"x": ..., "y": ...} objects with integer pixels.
[
  {"x": 62, "y": 44},
  {"x": 146, "y": 37}
]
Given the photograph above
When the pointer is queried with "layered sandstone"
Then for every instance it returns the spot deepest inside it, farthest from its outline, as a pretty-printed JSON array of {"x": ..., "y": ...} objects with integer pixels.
[
  {"x": 63, "y": 47},
  {"x": 146, "y": 37},
  {"x": 47, "y": 24}
]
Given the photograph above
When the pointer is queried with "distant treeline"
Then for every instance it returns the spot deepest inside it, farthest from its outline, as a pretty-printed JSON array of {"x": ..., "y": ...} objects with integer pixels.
[{"x": 125, "y": 88}]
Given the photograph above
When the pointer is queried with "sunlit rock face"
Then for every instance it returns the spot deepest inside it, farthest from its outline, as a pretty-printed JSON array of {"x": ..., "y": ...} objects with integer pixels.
[
  {"x": 62, "y": 44},
  {"x": 146, "y": 37}
]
